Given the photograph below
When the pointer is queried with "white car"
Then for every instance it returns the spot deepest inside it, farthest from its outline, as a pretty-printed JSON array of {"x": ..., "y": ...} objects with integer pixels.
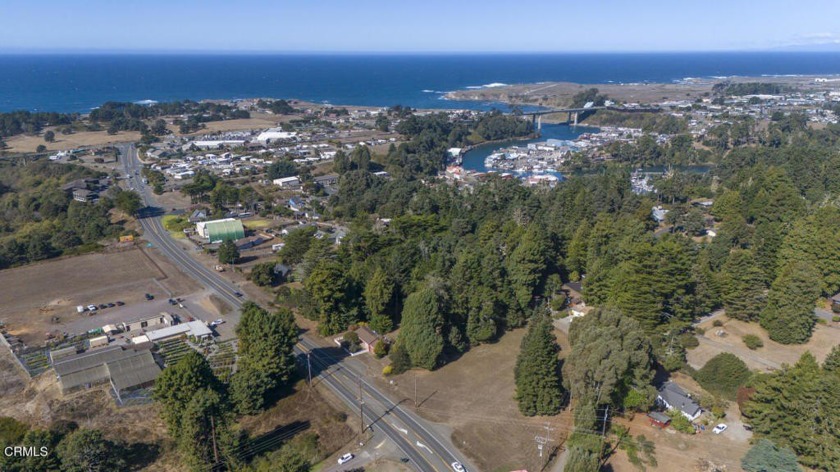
[
  {"x": 457, "y": 467},
  {"x": 219, "y": 321},
  {"x": 345, "y": 458},
  {"x": 720, "y": 428},
  {"x": 91, "y": 307}
]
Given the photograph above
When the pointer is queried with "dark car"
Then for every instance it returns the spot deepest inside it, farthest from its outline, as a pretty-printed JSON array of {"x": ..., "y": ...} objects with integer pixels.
[
  {"x": 111, "y": 305},
  {"x": 172, "y": 302},
  {"x": 238, "y": 294},
  {"x": 103, "y": 306},
  {"x": 120, "y": 303},
  {"x": 149, "y": 296}
]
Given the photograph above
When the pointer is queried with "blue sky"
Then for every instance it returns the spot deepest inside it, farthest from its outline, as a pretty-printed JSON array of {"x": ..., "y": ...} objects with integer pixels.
[{"x": 418, "y": 26}]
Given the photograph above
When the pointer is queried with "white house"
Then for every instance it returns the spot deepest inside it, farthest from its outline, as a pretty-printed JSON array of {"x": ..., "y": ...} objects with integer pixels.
[
  {"x": 672, "y": 397},
  {"x": 287, "y": 182}
]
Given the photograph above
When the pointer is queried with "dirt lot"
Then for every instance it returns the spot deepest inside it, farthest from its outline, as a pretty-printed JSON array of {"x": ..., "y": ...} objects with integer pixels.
[
  {"x": 678, "y": 452},
  {"x": 474, "y": 396},
  {"x": 766, "y": 358},
  {"x": 36, "y": 293}
]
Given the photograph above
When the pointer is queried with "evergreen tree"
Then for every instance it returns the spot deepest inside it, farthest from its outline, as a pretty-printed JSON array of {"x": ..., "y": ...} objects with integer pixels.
[
  {"x": 832, "y": 361},
  {"x": 228, "y": 252},
  {"x": 538, "y": 384},
  {"x": 814, "y": 241},
  {"x": 743, "y": 289},
  {"x": 205, "y": 433},
  {"x": 422, "y": 328},
  {"x": 36, "y": 439},
  {"x": 178, "y": 384},
  {"x": 723, "y": 374},
  {"x": 333, "y": 295},
  {"x": 727, "y": 206},
  {"x": 610, "y": 357},
  {"x": 86, "y": 450},
  {"x": 266, "y": 356},
  {"x": 789, "y": 316},
  {"x": 764, "y": 456},
  {"x": 379, "y": 294},
  {"x": 528, "y": 263},
  {"x": 798, "y": 407}
]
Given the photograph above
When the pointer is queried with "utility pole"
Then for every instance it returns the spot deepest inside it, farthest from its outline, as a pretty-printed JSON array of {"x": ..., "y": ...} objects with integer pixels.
[
  {"x": 309, "y": 368},
  {"x": 415, "y": 390},
  {"x": 215, "y": 450},
  {"x": 361, "y": 409},
  {"x": 604, "y": 425}
]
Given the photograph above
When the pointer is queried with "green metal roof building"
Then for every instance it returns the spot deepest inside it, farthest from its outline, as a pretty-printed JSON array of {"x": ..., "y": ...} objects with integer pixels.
[{"x": 228, "y": 229}]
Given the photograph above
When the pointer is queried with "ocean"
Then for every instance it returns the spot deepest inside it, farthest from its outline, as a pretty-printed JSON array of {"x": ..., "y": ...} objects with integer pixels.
[{"x": 78, "y": 83}]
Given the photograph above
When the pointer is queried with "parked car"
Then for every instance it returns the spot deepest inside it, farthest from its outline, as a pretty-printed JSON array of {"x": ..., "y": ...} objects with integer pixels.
[
  {"x": 345, "y": 459},
  {"x": 219, "y": 321},
  {"x": 720, "y": 428},
  {"x": 119, "y": 303},
  {"x": 172, "y": 302},
  {"x": 111, "y": 305},
  {"x": 91, "y": 308},
  {"x": 102, "y": 306},
  {"x": 149, "y": 296},
  {"x": 458, "y": 467}
]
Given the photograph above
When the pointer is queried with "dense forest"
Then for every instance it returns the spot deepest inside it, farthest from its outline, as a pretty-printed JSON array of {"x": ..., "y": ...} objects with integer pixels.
[
  {"x": 40, "y": 220},
  {"x": 456, "y": 267},
  {"x": 19, "y": 122}
]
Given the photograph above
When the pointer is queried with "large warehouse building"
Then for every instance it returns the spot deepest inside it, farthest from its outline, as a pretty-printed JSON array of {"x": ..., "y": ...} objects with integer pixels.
[{"x": 228, "y": 229}]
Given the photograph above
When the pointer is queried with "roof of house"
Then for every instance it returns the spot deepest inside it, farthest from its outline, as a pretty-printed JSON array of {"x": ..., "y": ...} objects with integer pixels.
[
  {"x": 366, "y": 335},
  {"x": 575, "y": 286},
  {"x": 659, "y": 417},
  {"x": 326, "y": 178},
  {"x": 676, "y": 397}
]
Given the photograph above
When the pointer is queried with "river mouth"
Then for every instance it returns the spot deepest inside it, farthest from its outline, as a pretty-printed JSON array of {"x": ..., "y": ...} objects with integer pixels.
[{"x": 473, "y": 160}]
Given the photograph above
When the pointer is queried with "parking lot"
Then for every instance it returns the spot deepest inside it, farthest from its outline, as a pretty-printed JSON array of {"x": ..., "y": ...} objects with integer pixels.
[{"x": 42, "y": 298}]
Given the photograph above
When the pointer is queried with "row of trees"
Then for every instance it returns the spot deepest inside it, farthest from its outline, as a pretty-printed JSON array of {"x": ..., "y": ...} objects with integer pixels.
[
  {"x": 200, "y": 410},
  {"x": 798, "y": 408},
  {"x": 64, "y": 447}
]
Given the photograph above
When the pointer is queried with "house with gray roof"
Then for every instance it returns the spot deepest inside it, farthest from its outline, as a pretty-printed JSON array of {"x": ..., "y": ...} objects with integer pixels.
[{"x": 672, "y": 397}]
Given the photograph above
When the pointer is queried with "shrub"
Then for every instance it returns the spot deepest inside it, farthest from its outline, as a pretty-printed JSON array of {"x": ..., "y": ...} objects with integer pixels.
[
  {"x": 380, "y": 349},
  {"x": 400, "y": 360},
  {"x": 752, "y": 341},
  {"x": 680, "y": 422},
  {"x": 717, "y": 323},
  {"x": 689, "y": 341},
  {"x": 723, "y": 374},
  {"x": 835, "y": 319},
  {"x": 388, "y": 370},
  {"x": 700, "y": 331}
]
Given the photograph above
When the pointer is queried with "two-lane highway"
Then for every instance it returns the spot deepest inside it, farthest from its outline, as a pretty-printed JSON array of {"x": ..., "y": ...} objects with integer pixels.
[{"x": 426, "y": 450}]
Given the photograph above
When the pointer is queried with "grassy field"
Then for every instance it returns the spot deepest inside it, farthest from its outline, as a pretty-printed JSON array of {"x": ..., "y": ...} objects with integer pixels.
[
  {"x": 176, "y": 225},
  {"x": 257, "y": 223},
  {"x": 769, "y": 357},
  {"x": 474, "y": 396}
]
